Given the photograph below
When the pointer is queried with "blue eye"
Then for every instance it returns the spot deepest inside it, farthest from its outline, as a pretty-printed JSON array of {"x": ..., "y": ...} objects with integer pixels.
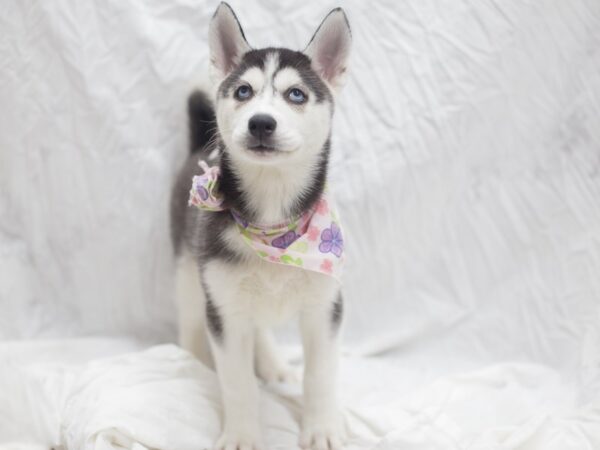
[
  {"x": 244, "y": 92},
  {"x": 296, "y": 96}
]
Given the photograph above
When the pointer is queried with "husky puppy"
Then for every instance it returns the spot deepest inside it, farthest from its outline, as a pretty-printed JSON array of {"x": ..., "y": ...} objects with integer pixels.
[{"x": 267, "y": 138}]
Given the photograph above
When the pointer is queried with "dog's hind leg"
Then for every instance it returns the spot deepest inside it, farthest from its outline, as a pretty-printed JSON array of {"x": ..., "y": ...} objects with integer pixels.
[
  {"x": 271, "y": 367},
  {"x": 191, "y": 306}
]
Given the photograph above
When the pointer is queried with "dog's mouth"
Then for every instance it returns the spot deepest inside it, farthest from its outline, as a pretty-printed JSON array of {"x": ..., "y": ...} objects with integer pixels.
[
  {"x": 261, "y": 148},
  {"x": 265, "y": 149}
]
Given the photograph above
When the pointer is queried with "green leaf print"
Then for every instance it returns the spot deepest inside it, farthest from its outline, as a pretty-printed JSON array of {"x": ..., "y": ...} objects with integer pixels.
[
  {"x": 287, "y": 259},
  {"x": 299, "y": 246}
]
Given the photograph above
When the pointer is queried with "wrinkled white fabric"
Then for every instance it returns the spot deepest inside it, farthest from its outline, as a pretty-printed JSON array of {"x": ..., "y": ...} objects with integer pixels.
[
  {"x": 465, "y": 166},
  {"x": 163, "y": 398}
]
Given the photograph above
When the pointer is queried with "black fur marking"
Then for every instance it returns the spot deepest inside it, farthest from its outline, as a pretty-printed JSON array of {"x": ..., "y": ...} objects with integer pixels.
[
  {"x": 202, "y": 122},
  {"x": 213, "y": 319},
  {"x": 337, "y": 313},
  {"x": 287, "y": 58},
  {"x": 202, "y": 132},
  {"x": 229, "y": 185},
  {"x": 201, "y": 231},
  {"x": 302, "y": 64},
  {"x": 314, "y": 190},
  {"x": 253, "y": 58},
  {"x": 214, "y": 246}
]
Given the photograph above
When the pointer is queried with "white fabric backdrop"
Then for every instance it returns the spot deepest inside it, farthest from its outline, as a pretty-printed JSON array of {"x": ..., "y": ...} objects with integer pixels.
[{"x": 466, "y": 166}]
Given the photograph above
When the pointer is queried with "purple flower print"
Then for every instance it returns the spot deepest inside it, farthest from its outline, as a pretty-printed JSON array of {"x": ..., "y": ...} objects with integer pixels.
[
  {"x": 286, "y": 240},
  {"x": 202, "y": 192},
  {"x": 332, "y": 240}
]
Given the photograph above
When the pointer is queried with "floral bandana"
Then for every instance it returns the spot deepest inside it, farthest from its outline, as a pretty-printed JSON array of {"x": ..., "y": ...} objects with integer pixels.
[{"x": 312, "y": 241}]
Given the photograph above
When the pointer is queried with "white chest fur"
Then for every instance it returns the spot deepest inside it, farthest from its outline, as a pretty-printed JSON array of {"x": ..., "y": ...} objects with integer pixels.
[{"x": 269, "y": 293}]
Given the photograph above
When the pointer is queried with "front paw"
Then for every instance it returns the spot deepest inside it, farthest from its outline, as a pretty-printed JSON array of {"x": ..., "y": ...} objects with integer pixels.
[
  {"x": 238, "y": 440},
  {"x": 322, "y": 435}
]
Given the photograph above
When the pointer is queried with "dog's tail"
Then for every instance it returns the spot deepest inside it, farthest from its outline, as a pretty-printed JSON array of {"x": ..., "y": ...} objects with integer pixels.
[{"x": 202, "y": 122}]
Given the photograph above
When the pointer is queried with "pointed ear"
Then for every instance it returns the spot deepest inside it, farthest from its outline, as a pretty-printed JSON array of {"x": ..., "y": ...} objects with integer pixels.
[
  {"x": 226, "y": 41},
  {"x": 329, "y": 48}
]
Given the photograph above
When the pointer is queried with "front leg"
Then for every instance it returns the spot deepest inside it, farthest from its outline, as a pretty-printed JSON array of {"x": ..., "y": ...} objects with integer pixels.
[
  {"x": 232, "y": 342},
  {"x": 321, "y": 427}
]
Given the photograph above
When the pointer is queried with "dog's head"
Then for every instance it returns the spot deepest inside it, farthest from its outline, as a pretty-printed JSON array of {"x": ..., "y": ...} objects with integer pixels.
[{"x": 275, "y": 105}]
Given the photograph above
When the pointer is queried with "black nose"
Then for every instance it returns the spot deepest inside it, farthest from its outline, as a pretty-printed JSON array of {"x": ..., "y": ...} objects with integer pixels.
[{"x": 261, "y": 126}]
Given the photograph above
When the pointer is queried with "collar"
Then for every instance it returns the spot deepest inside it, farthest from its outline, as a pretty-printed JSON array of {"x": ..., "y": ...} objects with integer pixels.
[{"x": 312, "y": 241}]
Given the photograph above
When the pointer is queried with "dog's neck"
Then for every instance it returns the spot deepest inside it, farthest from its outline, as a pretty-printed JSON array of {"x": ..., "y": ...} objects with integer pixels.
[{"x": 272, "y": 194}]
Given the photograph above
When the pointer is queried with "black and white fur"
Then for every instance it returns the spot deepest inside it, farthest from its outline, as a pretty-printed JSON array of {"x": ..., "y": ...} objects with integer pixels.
[{"x": 228, "y": 297}]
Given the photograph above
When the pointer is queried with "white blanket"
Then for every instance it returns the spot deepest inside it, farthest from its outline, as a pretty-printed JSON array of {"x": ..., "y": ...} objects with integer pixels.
[{"x": 162, "y": 398}]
